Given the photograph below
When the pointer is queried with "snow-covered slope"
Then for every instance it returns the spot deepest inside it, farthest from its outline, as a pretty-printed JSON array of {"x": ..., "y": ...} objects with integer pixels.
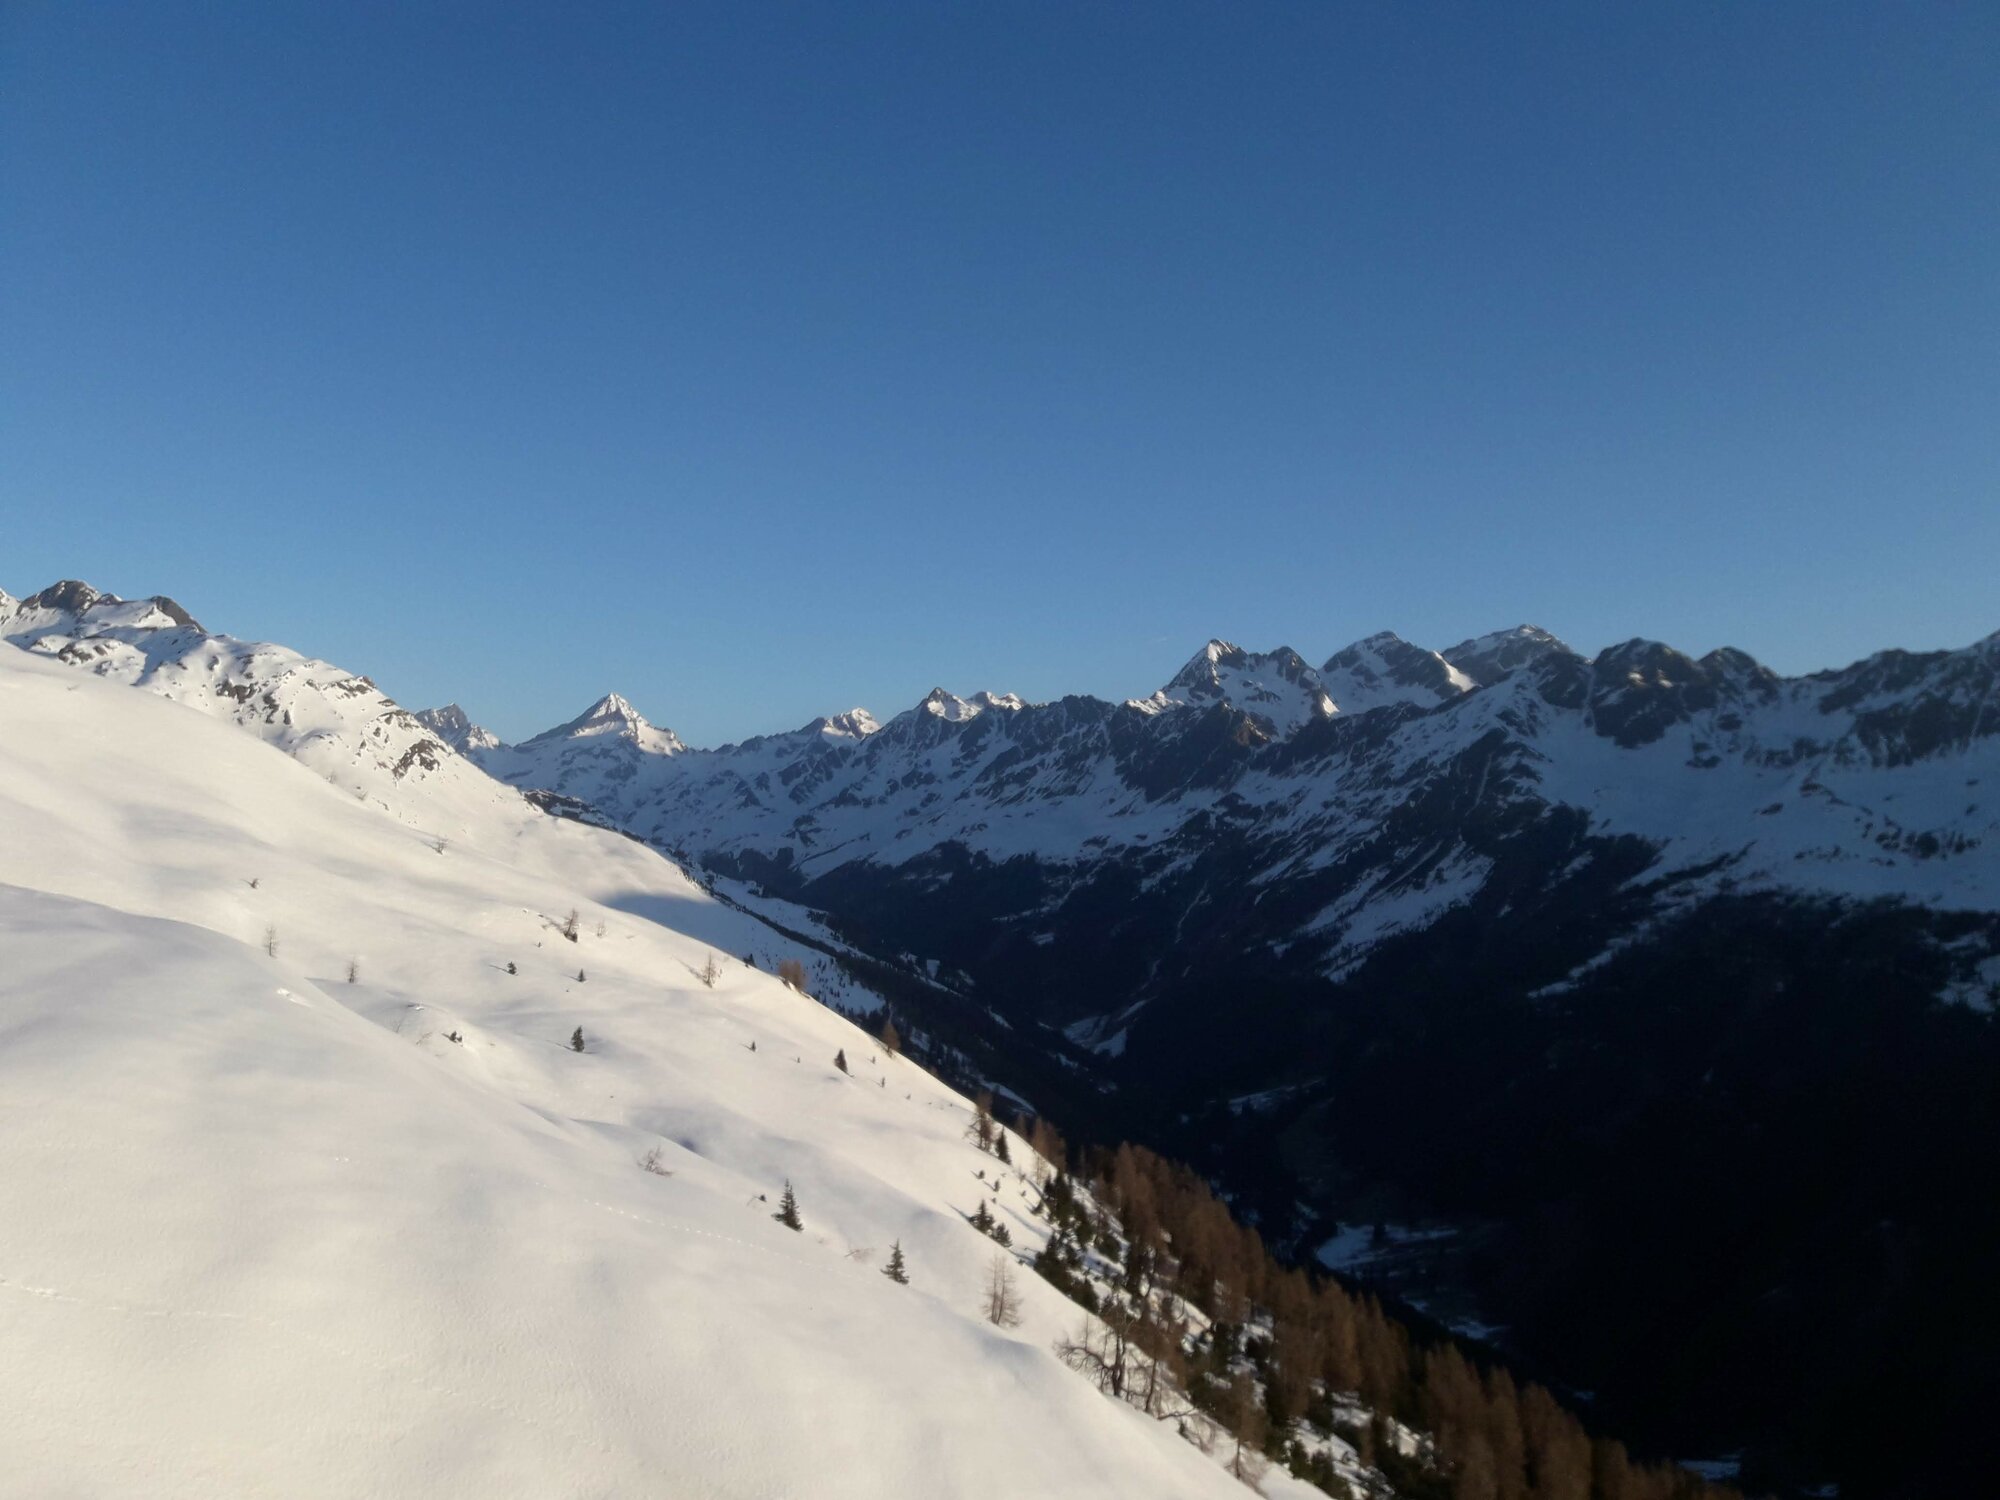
[
  {"x": 338, "y": 723},
  {"x": 266, "y": 1229},
  {"x": 451, "y": 725},
  {"x": 1386, "y": 669},
  {"x": 1276, "y": 690}
]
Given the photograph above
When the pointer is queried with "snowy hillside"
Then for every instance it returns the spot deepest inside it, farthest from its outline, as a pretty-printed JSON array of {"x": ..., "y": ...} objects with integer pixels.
[
  {"x": 308, "y": 1193},
  {"x": 332, "y": 720}
]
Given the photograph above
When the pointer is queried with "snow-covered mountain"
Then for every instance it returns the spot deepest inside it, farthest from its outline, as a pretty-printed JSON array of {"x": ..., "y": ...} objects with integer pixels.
[
  {"x": 332, "y": 720},
  {"x": 1386, "y": 669},
  {"x": 1275, "y": 691},
  {"x": 603, "y": 751},
  {"x": 451, "y": 725},
  {"x": 1246, "y": 781},
  {"x": 308, "y": 1189},
  {"x": 1488, "y": 658},
  {"x": 1257, "y": 911}
]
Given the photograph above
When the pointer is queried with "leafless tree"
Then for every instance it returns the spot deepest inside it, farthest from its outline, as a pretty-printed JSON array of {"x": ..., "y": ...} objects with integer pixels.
[
  {"x": 980, "y": 1131},
  {"x": 1102, "y": 1350},
  {"x": 710, "y": 971},
  {"x": 569, "y": 924},
  {"x": 271, "y": 941},
  {"x": 1002, "y": 1301}
]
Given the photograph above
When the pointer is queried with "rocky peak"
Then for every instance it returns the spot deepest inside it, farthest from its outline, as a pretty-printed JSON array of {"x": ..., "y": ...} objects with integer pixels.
[
  {"x": 1488, "y": 658},
  {"x": 71, "y": 596},
  {"x": 1278, "y": 690},
  {"x": 1384, "y": 668},
  {"x": 949, "y": 706},
  {"x": 612, "y": 717},
  {"x": 849, "y": 728},
  {"x": 451, "y": 725}
]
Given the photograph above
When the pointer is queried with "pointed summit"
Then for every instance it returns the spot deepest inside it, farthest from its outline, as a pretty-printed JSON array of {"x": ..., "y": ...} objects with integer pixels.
[
  {"x": 1276, "y": 688},
  {"x": 613, "y": 717}
]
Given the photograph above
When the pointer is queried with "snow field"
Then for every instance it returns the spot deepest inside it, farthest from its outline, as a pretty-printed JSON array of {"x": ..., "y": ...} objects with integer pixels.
[{"x": 265, "y": 1232}]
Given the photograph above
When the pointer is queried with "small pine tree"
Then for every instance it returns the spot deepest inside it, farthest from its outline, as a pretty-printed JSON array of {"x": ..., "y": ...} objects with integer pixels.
[
  {"x": 1000, "y": 1146},
  {"x": 510, "y": 967},
  {"x": 788, "y": 1209},
  {"x": 840, "y": 1059},
  {"x": 579, "y": 976},
  {"x": 576, "y": 1040},
  {"x": 983, "y": 1220},
  {"x": 895, "y": 1270}
]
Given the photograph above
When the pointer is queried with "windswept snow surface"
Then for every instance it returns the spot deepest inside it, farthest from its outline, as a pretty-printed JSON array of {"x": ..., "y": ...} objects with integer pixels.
[{"x": 267, "y": 1232}]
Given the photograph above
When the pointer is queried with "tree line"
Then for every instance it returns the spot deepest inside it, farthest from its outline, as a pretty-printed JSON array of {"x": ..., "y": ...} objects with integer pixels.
[{"x": 1196, "y": 1317}]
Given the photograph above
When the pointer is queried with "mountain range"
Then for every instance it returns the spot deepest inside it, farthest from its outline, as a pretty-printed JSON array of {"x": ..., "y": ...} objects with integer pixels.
[{"x": 1568, "y": 968}]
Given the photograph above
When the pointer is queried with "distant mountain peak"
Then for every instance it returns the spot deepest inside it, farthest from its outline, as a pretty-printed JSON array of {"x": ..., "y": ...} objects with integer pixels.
[
  {"x": 451, "y": 725},
  {"x": 614, "y": 717},
  {"x": 65, "y": 604},
  {"x": 949, "y": 706},
  {"x": 849, "y": 728},
  {"x": 1278, "y": 689},
  {"x": 1488, "y": 658},
  {"x": 71, "y": 595},
  {"x": 1384, "y": 668}
]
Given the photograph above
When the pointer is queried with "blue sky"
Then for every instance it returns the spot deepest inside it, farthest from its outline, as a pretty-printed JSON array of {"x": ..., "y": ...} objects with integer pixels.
[{"x": 757, "y": 360}]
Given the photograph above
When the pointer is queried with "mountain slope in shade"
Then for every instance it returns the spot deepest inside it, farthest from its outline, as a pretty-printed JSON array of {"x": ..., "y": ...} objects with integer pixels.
[
  {"x": 275, "y": 1225},
  {"x": 1845, "y": 782},
  {"x": 1487, "y": 658}
]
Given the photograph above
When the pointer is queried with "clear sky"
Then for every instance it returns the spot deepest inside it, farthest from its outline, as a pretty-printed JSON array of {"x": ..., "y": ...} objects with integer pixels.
[{"x": 758, "y": 360}]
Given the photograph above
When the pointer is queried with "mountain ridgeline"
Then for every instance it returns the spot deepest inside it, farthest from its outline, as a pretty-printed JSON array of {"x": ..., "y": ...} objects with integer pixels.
[
  {"x": 1634, "y": 969},
  {"x": 1659, "y": 991}
]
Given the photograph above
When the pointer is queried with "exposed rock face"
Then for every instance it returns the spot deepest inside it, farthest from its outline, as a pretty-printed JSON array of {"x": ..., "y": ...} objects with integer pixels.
[{"x": 451, "y": 725}]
